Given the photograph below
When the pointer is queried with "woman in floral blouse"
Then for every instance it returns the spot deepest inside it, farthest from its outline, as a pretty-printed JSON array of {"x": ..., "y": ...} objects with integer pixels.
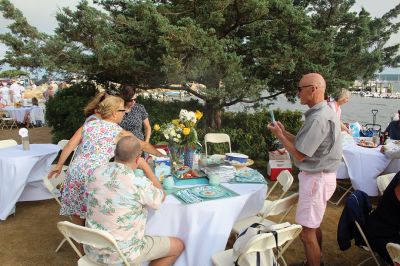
[{"x": 96, "y": 141}]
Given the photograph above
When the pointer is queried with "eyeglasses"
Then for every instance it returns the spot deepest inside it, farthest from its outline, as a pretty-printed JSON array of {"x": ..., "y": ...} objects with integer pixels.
[
  {"x": 133, "y": 99},
  {"x": 122, "y": 110},
  {"x": 299, "y": 88}
]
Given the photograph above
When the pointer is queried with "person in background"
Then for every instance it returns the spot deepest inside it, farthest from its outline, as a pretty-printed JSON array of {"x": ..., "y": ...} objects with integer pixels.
[
  {"x": 5, "y": 94},
  {"x": 393, "y": 129},
  {"x": 383, "y": 224},
  {"x": 136, "y": 119},
  {"x": 27, "y": 118},
  {"x": 54, "y": 86},
  {"x": 341, "y": 98},
  {"x": 106, "y": 187},
  {"x": 317, "y": 151},
  {"x": 48, "y": 93},
  {"x": 96, "y": 141},
  {"x": 16, "y": 91}
]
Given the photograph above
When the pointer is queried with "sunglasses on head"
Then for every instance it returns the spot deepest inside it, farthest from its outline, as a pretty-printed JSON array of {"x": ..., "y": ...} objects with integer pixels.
[{"x": 121, "y": 110}]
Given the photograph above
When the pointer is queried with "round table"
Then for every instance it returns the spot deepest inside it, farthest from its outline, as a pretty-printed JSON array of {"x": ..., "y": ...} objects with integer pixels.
[
  {"x": 18, "y": 168},
  {"x": 36, "y": 113},
  {"x": 364, "y": 165},
  {"x": 205, "y": 227}
]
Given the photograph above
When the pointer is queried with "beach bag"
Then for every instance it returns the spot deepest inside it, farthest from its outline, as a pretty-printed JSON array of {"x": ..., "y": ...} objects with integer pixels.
[
  {"x": 267, "y": 258},
  {"x": 355, "y": 129},
  {"x": 369, "y": 132}
]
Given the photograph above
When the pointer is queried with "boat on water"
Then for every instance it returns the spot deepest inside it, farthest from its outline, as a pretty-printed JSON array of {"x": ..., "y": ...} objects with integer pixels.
[{"x": 366, "y": 94}]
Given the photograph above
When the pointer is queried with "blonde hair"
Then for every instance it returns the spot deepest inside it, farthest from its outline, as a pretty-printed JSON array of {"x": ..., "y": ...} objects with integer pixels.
[
  {"x": 343, "y": 93},
  {"x": 91, "y": 107},
  {"x": 110, "y": 105}
]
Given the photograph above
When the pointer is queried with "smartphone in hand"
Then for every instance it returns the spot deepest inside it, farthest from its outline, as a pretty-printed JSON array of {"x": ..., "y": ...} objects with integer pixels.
[{"x": 271, "y": 114}]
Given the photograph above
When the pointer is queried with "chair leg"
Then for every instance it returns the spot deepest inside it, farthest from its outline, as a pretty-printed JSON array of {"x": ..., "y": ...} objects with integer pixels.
[
  {"x": 372, "y": 257},
  {"x": 60, "y": 245},
  {"x": 343, "y": 195}
]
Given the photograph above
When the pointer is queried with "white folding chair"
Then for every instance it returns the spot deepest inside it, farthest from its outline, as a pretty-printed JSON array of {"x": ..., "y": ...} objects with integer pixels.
[
  {"x": 394, "y": 252},
  {"x": 280, "y": 206},
  {"x": 383, "y": 181},
  {"x": 7, "y": 121},
  {"x": 217, "y": 138},
  {"x": 342, "y": 174},
  {"x": 367, "y": 248},
  {"x": 261, "y": 243},
  {"x": 62, "y": 143},
  {"x": 285, "y": 180},
  {"x": 54, "y": 185},
  {"x": 7, "y": 143},
  {"x": 89, "y": 236}
]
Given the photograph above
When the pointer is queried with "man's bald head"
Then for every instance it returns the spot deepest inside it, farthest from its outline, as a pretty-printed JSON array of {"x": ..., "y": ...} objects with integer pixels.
[
  {"x": 315, "y": 79},
  {"x": 128, "y": 148}
]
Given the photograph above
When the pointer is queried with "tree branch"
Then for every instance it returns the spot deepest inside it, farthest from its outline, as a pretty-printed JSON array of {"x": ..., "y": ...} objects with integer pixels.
[{"x": 254, "y": 100}]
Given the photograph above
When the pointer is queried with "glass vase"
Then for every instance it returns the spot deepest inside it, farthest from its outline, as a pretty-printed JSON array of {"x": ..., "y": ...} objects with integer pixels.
[
  {"x": 188, "y": 157},
  {"x": 175, "y": 153}
]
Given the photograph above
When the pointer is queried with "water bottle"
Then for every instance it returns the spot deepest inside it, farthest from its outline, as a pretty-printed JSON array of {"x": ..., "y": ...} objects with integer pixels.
[{"x": 196, "y": 156}]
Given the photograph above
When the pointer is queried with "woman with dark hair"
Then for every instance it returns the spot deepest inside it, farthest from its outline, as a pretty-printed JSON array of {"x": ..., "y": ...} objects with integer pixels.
[
  {"x": 136, "y": 119},
  {"x": 393, "y": 129}
]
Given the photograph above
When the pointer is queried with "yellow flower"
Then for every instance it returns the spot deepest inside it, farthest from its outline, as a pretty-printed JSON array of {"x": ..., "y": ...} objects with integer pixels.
[
  {"x": 175, "y": 122},
  {"x": 198, "y": 115},
  {"x": 182, "y": 126},
  {"x": 156, "y": 127},
  {"x": 186, "y": 131}
]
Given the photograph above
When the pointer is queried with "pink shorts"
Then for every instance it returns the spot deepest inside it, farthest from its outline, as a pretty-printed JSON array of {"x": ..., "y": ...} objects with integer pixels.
[{"x": 315, "y": 189}]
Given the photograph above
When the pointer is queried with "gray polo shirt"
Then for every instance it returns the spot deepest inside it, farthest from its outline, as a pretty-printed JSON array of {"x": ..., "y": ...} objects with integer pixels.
[{"x": 319, "y": 139}]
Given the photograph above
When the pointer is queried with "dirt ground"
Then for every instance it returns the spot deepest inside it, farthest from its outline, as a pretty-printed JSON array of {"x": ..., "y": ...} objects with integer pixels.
[{"x": 31, "y": 236}]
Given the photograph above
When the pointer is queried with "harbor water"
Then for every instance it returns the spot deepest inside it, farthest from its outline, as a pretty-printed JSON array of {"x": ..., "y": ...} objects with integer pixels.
[{"x": 358, "y": 109}]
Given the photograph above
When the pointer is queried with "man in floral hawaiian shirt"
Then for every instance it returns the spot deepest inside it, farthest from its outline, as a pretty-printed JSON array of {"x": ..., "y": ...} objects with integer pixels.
[{"x": 118, "y": 202}]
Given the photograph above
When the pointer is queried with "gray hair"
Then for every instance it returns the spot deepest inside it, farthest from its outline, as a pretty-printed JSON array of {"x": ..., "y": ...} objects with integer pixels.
[
  {"x": 128, "y": 148},
  {"x": 343, "y": 93}
]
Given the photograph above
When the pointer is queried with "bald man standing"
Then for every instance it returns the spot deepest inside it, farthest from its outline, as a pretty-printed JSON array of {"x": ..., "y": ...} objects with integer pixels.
[{"x": 317, "y": 151}]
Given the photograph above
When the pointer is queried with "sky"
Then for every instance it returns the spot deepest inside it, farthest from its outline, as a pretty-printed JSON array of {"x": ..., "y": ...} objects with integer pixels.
[{"x": 41, "y": 14}]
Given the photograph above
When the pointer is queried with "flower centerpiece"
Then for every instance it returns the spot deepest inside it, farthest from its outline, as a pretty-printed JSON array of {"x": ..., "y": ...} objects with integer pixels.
[{"x": 181, "y": 135}]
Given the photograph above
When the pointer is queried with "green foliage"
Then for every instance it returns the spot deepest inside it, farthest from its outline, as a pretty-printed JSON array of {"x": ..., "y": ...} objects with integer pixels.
[
  {"x": 13, "y": 73},
  {"x": 64, "y": 112},
  {"x": 242, "y": 51},
  {"x": 248, "y": 131}
]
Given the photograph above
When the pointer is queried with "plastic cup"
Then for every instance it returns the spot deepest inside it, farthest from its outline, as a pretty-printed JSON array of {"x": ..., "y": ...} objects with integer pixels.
[
  {"x": 214, "y": 180},
  {"x": 168, "y": 182}
]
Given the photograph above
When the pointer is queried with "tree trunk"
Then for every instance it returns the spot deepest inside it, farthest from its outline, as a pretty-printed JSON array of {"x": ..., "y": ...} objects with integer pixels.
[{"x": 213, "y": 114}]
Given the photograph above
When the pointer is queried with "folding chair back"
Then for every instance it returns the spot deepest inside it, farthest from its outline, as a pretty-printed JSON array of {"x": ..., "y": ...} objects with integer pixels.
[
  {"x": 7, "y": 143},
  {"x": 54, "y": 184},
  {"x": 284, "y": 179},
  {"x": 383, "y": 181},
  {"x": 394, "y": 252},
  {"x": 280, "y": 206},
  {"x": 266, "y": 241},
  {"x": 89, "y": 236},
  {"x": 62, "y": 143},
  {"x": 217, "y": 138}
]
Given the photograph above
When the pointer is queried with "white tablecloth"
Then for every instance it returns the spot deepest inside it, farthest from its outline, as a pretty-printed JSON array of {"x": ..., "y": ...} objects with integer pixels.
[
  {"x": 365, "y": 164},
  {"x": 205, "y": 227},
  {"x": 18, "y": 168},
  {"x": 36, "y": 113}
]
